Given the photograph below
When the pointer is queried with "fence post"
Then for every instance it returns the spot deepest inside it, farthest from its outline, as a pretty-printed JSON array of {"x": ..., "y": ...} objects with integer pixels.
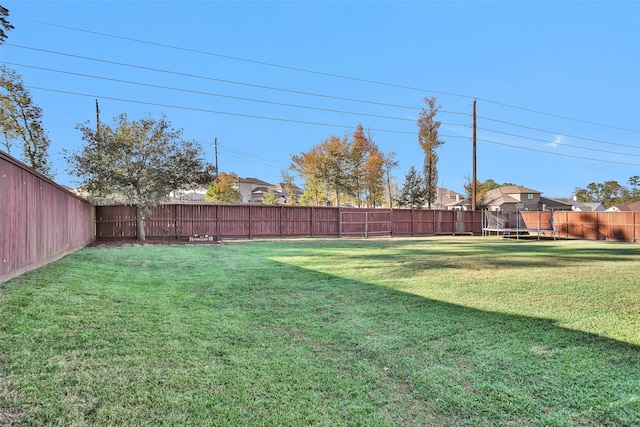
[
  {"x": 313, "y": 220},
  {"x": 281, "y": 230},
  {"x": 413, "y": 222}
]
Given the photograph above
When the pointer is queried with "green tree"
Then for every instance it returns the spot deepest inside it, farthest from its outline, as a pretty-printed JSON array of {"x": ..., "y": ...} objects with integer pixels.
[
  {"x": 270, "y": 197},
  {"x": 141, "y": 161},
  {"x": 634, "y": 182},
  {"x": 429, "y": 141},
  {"x": 609, "y": 193},
  {"x": 325, "y": 168},
  {"x": 481, "y": 189},
  {"x": 346, "y": 169},
  {"x": 223, "y": 189},
  {"x": 313, "y": 197},
  {"x": 21, "y": 120},
  {"x": 413, "y": 190},
  {"x": 4, "y": 23}
]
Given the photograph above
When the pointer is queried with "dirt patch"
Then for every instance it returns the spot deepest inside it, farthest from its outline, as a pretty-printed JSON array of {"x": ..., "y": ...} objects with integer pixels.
[{"x": 148, "y": 242}]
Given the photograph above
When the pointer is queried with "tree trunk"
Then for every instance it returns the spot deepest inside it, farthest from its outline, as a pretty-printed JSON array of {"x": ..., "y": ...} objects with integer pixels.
[{"x": 140, "y": 223}]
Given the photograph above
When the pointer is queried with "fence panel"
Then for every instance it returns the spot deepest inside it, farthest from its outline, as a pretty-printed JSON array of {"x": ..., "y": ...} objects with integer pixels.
[
  {"x": 402, "y": 222},
  {"x": 617, "y": 226},
  {"x": 39, "y": 220},
  {"x": 297, "y": 222},
  {"x": 266, "y": 221},
  {"x": 234, "y": 222},
  {"x": 424, "y": 222},
  {"x": 117, "y": 221},
  {"x": 326, "y": 222}
]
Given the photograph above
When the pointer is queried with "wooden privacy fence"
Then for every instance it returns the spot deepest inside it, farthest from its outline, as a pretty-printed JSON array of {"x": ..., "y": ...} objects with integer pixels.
[
  {"x": 618, "y": 226},
  {"x": 39, "y": 220},
  {"x": 260, "y": 221},
  {"x": 177, "y": 221}
]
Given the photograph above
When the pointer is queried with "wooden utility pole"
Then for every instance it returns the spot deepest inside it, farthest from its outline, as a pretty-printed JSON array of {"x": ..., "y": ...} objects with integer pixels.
[
  {"x": 215, "y": 147},
  {"x": 474, "y": 178},
  {"x": 97, "y": 117}
]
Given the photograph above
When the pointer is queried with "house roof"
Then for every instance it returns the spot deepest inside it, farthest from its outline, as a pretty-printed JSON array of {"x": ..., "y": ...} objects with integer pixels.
[
  {"x": 553, "y": 203},
  {"x": 255, "y": 181},
  {"x": 516, "y": 189},
  {"x": 587, "y": 206},
  {"x": 501, "y": 195},
  {"x": 633, "y": 207}
]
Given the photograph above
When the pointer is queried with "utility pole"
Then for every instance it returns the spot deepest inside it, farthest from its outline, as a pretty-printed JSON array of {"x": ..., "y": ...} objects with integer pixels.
[
  {"x": 215, "y": 147},
  {"x": 474, "y": 178},
  {"x": 98, "y": 136},
  {"x": 97, "y": 117}
]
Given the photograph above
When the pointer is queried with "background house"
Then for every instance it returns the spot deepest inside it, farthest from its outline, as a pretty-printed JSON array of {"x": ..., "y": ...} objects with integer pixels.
[
  {"x": 511, "y": 198},
  {"x": 633, "y": 207},
  {"x": 586, "y": 206}
]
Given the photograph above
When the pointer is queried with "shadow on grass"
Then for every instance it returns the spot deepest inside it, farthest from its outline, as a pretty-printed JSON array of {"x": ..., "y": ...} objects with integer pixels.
[
  {"x": 466, "y": 366},
  {"x": 490, "y": 253},
  {"x": 255, "y": 341}
]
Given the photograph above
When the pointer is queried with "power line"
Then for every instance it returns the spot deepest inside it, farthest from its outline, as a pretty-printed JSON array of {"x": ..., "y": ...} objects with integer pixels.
[
  {"x": 561, "y": 143},
  {"x": 282, "y": 104},
  {"x": 311, "y": 123},
  {"x": 195, "y": 76},
  {"x": 251, "y": 155},
  {"x": 558, "y": 133},
  {"x": 252, "y": 61},
  {"x": 285, "y": 90},
  {"x": 557, "y": 154},
  {"x": 333, "y": 75},
  {"x": 203, "y": 110}
]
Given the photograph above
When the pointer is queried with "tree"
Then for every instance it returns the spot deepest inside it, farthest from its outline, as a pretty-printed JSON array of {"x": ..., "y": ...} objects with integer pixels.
[
  {"x": 21, "y": 120},
  {"x": 390, "y": 163},
  {"x": 325, "y": 168},
  {"x": 349, "y": 170},
  {"x": 634, "y": 182},
  {"x": 609, "y": 193},
  {"x": 373, "y": 177},
  {"x": 141, "y": 161},
  {"x": 357, "y": 154},
  {"x": 223, "y": 189},
  {"x": 4, "y": 23},
  {"x": 413, "y": 191},
  {"x": 428, "y": 140},
  {"x": 270, "y": 198},
  {"x": 289, "y": 187},
  {"x": 481, "y": 189}
]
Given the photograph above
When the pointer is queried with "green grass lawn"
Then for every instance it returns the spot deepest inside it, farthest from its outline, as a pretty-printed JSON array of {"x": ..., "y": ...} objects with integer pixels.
[{"x": 438, "y": 332}]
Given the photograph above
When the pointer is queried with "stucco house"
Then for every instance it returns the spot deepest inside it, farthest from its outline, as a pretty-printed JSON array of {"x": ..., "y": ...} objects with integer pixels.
[{"x": 511, "y": 198}]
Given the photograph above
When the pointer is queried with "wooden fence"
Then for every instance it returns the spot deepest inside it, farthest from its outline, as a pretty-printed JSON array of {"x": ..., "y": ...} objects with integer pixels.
[
  {"x": 178, "y": 221},
  {"x": 618, "y": 226},
  {"x": 260, "y": 221},
  {"x": 39, "y": 220}
]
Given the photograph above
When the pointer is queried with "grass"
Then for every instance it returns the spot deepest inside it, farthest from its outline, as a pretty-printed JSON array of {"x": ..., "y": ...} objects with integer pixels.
[{"x": 438, "y": 332}]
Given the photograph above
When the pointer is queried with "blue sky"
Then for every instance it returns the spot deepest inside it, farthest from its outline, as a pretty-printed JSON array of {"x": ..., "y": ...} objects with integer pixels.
[{"x": 556, "y": 83}]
